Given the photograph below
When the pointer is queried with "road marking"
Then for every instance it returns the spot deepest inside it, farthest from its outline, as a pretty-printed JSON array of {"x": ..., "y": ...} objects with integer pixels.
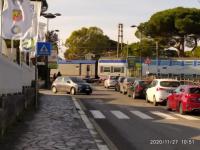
[
  {"x": 163, "y": 115},
  {"x": 90, "y": 127},
  {"x": 119, "y": 114},
  {"x": 97, "y": 114},
  {"x": 186, "y": 117},
  {"x": 141, "y": 115}
]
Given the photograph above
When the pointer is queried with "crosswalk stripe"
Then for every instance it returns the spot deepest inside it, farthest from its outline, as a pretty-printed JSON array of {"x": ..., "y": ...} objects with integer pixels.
[
  {"x": 97, "y": 114},
  {"x": 186, "y": 117},
  {"x": 119, "y": 114},
  {"x": 141, "y": 115},
  {"x": 163, "y": 115}
]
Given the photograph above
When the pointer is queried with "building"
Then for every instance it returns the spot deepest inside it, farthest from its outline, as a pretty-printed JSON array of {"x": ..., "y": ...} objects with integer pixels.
[{"x": 82, "y": 68}]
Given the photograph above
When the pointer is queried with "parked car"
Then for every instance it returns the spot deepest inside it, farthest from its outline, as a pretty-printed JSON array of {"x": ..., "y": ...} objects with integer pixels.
[
  {"x": 110, "y": 81},
  {"x": 71, "y": 85},
  {"x": 159, "y": 89},
  {"x": 185, "y": 98},
  {"x": 138, "y": 88},
  {"x": 126, "y": 83},
  {"x": 118, "y": 84}
]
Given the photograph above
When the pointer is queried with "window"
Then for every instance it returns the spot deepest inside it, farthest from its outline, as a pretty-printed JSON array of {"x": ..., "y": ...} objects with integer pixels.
[
  {"x": 117, "y": 69},
  {"x": 169, "y": 83},
  {"x": 194, "y": 90},
  {"x": 106, "y": 69}
]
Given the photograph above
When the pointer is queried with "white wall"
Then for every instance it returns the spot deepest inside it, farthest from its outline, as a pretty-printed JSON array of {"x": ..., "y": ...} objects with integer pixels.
[{"x": 13, "y": 77}]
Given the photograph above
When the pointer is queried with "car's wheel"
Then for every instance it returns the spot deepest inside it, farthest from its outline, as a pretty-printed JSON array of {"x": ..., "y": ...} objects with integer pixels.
[
  {"x": 167, "y": 106},
  {"x": 124, "y": 92},
  {"x": 72, "y": 91},
  {"x": 54, "y": 90},
  {"x": 133, "y": 95},
  {"x": 88, "y": 93},
  {"x": 154, "y": 101},
  {"x": 146, "y": 98},
  {"x": 181, "y": 109}
]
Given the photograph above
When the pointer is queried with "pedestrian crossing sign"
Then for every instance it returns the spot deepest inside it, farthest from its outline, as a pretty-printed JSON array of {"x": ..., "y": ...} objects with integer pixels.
[{"x": 44, "y": 48}]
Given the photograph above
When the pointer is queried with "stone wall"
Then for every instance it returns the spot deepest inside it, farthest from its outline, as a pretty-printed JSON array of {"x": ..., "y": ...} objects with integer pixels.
[{"x": 12, "y": 106}]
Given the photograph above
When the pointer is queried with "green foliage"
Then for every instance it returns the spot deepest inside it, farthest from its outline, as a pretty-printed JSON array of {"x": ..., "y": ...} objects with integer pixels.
[
  {"x": 178, "y": 22},
  {"x": 195, "y": 53},
  {"x": 147, "y": 48},
  {"x": 87, "y": 40}
]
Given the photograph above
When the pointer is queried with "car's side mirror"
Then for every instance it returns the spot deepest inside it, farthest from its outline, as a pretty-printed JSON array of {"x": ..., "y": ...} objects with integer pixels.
[{"x": 68, "y": 82}]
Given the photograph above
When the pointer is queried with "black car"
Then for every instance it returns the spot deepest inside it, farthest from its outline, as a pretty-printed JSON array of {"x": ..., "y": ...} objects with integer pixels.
[{"x": 138, "y": 88}]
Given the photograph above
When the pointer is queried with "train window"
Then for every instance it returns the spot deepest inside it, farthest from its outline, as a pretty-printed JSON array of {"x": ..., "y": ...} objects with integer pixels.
[
  {"x": 117, "y": 69},
  {"x": 106, "y": 69}
]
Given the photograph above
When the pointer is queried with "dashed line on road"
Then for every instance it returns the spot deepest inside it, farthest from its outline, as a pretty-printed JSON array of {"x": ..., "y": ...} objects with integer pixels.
[
  {"x": 97, "y": 114},
  {"x": 163, "y": 115},
  {"x": 119, "y": 114},
  {"x": 89, "y": 126},
  {"x": 186, "y": 117},
  {"x": 141, "y": 114}
]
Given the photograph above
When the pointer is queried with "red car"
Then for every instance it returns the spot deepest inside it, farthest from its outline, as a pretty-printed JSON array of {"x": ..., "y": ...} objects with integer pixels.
[{"x": 185, "y": 98}]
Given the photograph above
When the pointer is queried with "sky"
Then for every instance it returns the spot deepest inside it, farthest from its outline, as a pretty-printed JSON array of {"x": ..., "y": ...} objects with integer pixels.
[{"x": 107, "y": 14}]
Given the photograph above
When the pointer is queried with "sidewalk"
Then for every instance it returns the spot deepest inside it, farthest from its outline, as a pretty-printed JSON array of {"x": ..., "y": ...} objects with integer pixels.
[{"x": 55, "y": 126}]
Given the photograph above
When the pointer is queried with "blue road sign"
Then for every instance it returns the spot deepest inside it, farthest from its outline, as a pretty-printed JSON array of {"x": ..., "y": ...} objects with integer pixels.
[{"x": 43, "y": 48}]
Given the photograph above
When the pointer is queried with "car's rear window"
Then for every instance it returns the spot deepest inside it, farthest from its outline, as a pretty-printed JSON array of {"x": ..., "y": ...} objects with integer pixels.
[
  {"x": 194, "y": 90},
  {"x": 169, "y": 83},
  {"x": 113, "y": 77},
  {"x": 121, "y": 79},
  {"x": 144, "y": 83},
  {"x": 131, "y": 79}
]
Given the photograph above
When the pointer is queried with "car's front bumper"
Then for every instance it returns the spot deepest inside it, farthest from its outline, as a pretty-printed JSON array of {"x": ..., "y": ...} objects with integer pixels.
[{"x": 84, "y": 90}]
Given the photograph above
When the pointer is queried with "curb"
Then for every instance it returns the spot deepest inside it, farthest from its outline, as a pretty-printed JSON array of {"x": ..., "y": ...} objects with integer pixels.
[{"x": 94, "y": 129}]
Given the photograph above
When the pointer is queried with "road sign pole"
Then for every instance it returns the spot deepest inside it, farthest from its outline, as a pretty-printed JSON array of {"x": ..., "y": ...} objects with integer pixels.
[{"x": 36, "y": 82}]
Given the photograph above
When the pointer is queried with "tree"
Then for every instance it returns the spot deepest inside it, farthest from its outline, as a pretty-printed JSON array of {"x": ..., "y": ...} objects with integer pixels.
[
  {"x": 179, "y": 24},
  {"x": 52, "y": 37},
  {"x": 87, "y": 40},
  {"x": 147, "y": 48}
]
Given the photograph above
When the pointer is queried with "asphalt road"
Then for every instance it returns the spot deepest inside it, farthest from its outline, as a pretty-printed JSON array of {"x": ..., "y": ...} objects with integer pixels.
[{"x": 137, "y": 125}]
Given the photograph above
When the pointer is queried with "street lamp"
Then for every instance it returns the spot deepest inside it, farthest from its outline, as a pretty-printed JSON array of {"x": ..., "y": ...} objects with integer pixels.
[
  {"x": 48, "y": 16},
  {"x": 133, "y": 26}
]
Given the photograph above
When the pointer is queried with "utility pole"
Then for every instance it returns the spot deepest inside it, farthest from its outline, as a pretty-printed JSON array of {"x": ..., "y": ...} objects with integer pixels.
[
  {"x": 157, "y": 58},
  {"x": 120, "y": 39}
]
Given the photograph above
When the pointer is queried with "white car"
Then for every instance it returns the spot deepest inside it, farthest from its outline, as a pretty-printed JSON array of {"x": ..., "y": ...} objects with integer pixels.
[
  {"x": 159, "y": 89},
  {"x": 110, "y": 81}
]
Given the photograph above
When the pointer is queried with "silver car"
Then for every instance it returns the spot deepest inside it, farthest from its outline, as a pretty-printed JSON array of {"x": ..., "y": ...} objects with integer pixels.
[{"x": 71, "y": 85}]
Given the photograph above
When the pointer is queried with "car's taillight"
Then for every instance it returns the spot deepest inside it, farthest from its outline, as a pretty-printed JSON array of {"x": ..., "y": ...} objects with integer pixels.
[
  {"x": 190, "y": 97},
  {"x": 160, "y": 89},
  {"x": 139, "y": 88}
]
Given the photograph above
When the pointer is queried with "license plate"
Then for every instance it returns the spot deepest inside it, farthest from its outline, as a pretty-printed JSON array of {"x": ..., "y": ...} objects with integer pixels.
[{"x": 87, "y": 89}]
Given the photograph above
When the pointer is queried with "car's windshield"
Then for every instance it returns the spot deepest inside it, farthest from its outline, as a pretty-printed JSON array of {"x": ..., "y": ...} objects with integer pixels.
[
  {"x": 77, "y": 80},
  {"x": 194, "y": 90},
  {"x": 170, "y": 83}
]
